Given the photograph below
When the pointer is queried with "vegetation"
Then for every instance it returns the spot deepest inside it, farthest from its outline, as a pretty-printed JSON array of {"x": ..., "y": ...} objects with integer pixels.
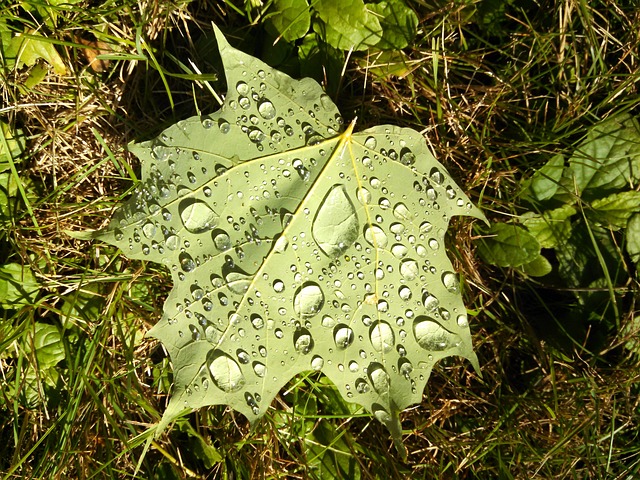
[{"x": 529, "y": 105}]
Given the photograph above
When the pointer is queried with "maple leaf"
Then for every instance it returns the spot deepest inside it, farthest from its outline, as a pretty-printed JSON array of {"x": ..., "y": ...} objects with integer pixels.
[{"x": 295, "y": 244}]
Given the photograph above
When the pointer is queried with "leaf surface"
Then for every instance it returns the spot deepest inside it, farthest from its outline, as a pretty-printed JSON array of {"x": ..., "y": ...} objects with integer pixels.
[{"x": 294, "y": 247}]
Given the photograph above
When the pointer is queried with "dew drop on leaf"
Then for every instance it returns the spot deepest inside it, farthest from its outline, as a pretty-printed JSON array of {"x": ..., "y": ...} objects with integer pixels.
[
  {"x": 375, "y": 236},
  {"x": 370, "y": 142},
  {"x": 197, "y": 216},
  {"x": 308, "y": 300},
  {"x": 260, "y": 369},
  {"x": 225, "y": 371},
  {"x": 382, "y": 337},
  {"x": 317, "y": 362},
  {"x": 335, "y": 226},
  {"x": 379, "y": 378},
  {"x": 343, "y": 336},
  {"x": 450, "y": 281},
  {"x": 432, "y": 336},
  {"x": 266, "y": 109},
  {"x": 186, "y": 262},
  {"x": 303, "y": 342}
]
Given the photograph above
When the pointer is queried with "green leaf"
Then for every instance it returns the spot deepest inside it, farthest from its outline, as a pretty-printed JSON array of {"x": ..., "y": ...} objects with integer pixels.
[
  {"x": 399, "y": 24},
  {"x": 292, "y": 18},
  {"x": 614, "y": 210},
  {"x": 633, "y": 238},
  {"x": 295, "y": 247},
  {"x": 545, "y": 182},
  {"x": 28, "y": 48},
  {"x": 18, "y": 286},
  {"x": 16, "y": 145},
  {"x": 550, "y": 227},
  {"x": 508, "y": 245},
  {"x": 609, "y": 158},
  {"x": 47, "y": 345},
  {"x": 347, "y": 24},
  {"x": 539, "y": 267}
]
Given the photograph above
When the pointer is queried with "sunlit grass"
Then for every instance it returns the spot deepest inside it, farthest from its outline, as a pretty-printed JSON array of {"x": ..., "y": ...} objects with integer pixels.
[{"x": 494, "y": 104}]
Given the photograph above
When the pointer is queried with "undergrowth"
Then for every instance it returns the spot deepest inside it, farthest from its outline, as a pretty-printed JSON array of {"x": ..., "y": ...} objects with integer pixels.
[{"x": 496, "y": 88}]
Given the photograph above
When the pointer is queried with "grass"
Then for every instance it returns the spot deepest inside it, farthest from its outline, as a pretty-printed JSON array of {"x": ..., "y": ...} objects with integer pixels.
[{"x": 495, "y": 96}]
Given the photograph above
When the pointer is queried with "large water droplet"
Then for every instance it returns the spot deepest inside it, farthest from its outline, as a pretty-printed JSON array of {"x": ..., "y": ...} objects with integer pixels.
[
  {"x": 370, "y": 142},
  {"x": 149, "y": 230},
  {"x": 379, "y": 378},
  {"x": 409, "y": 269},
  {"x": 430, "y": 302},
  {"x": 197, "y": 216},
  {"x": 266, "y": 109},
  {"x": 238, "y": 282},
  {"x": 302, "y": 341},
  {"x": 260, "y": 369},
  {"x": 343, "y": 336},
  {"x": 362, "y": 386},
  {"x": 186, "y": 262},
  {"x": 375, "y": 236},
  {"x": 335, "y": 226},
  {"x": 399, "y": 251},
  {"x": 450, "y": 281},
  {"x": 401, "y": 212},
  {"x": 363, "y": 195},
  {"x": 221, "y": 240},
  {"x": 381, "y": 336},
  {"x": 242, "y": 88},
  {"x": 317, "y": 362},
  {"x": 308, "y": 300},
  {"x": 225, "y": 371},
  {"x": 430, "y": 335}
]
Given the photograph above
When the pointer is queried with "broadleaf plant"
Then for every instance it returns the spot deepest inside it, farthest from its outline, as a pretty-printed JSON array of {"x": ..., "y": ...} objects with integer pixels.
[{"x": 296, "y": 244}]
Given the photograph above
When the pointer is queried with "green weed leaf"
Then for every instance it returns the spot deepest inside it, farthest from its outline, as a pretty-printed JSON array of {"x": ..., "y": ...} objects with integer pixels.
[
  {"x": 18, "y": 286},
  {"x": 508, "y": 245},
  {"x": 346, "y": 24},
  {"x": 545, "y": 182},
  {"x": 399, "y": 24},
  {"x": 608, "y": 158},
  {"x": 292, "y": 18},
  {"x": 294, "y": 247},
  {"x": 633, "y": 238},
  {"x": 550, "y": 227},
  {"x": 28, "y": 48},
  {"x": 614, "y": 210}
]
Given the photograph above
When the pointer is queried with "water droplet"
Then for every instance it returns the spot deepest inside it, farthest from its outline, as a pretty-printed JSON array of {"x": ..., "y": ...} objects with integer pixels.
[
  {"x": 256, "y": 135},
  {"x": 401, "y": 212},
  {"x": 343, "y": 336},
  {"x": 197, "y": 216},
  {"x": 186, "y": 262},
  {"x": 404, "y": 292},
  {"x": 221, "y": 240},
  {"x": 335, "y": 226},
  {"x": 371, "y": 142},
  {"x": 149, "y": 230},
  {"x": 450, "y": 281},
  {"x": 260, "y": 369},
  {"x": 407, "y": 157},
  {"x": 281, "y": 244},
  {"x": 434, "y": 244},
  {"x": 278, "y": 286},
  {"x": 317, "y": 362},
  {"x": 242, "y": 88},
  {"x": 462, "y": 321},
  {"x": 381, "y": 336},
  {"x": 399, "y": 251},
  {"x": 430, "y": 302},
  {"x": 432, "y": 336},
  {"x": 266, "y": 109},
  {"x": 353, "y": 366},
  {"x": 225, "y": 371},
  {"x": 302, "y": 341},
  {"x": 437, "y": 176},
  {"x": 405, "y": 368},
  {"x": 224, "y": 126},
  {"x": 328, "y": 321},
  {"x": 244, "y": 103},
  {"x": 243, "y": 357},
  {"x": 426, "y": 227},
  {"x": 396, "y": 228},
  {"x": 362, "y": 386},
  {"x": 375, "y": 183},
  {"x": 308, "y": 300},
  {"x": 379, "y": 378},
  {"x": 375, "y": 236},
  {"x": 409, "y": 269},
  {"x": 363, "y": 195},
  {"x": 238, "y": 282},
  {"x": 257, "y": 321}
]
